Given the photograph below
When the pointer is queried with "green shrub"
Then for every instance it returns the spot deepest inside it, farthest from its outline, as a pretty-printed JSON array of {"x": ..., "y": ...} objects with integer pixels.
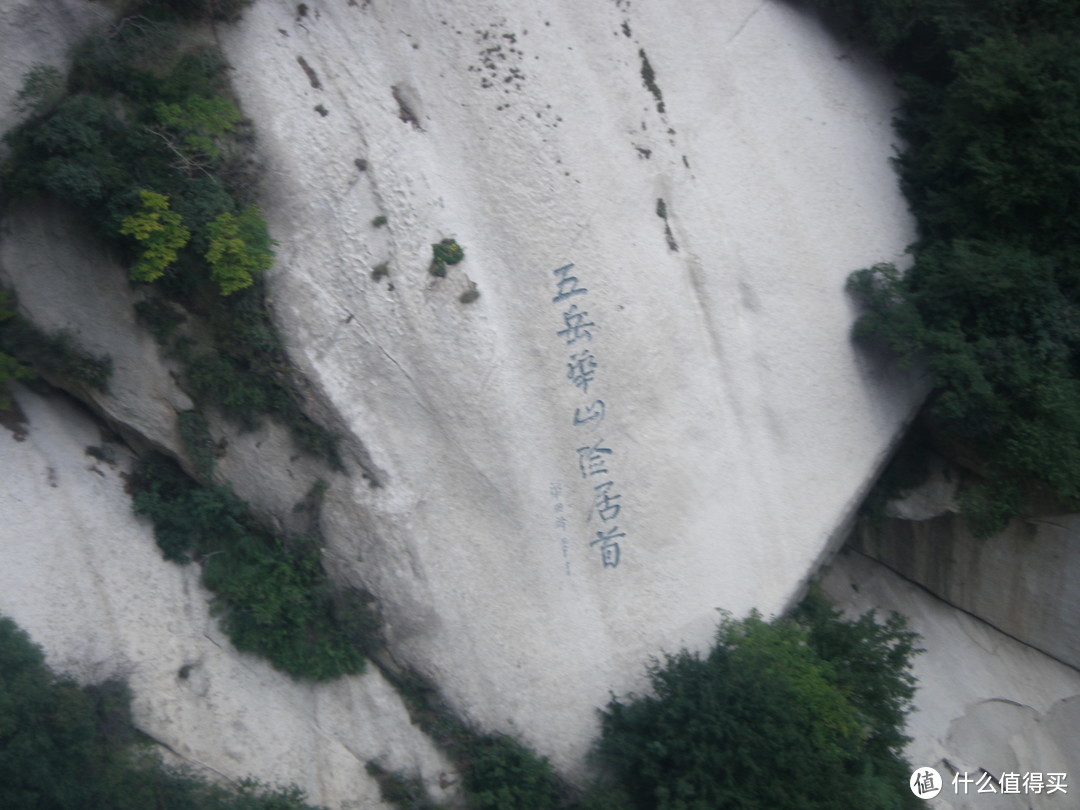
[
  {"x": 501, "y": 773},
  {"x": 448, "y": 252},
  {"x": 42, "y": 87},
  {"x": 160, "y": 318},
  {"x": 402, "y": 792},
  {"x": 240, "y": 248},
  {"x": 149, "y": 147},
  {"x": 444, "y": 253},
  {"x": 10, "y": 368},
  {"x": 195, "y": 435},
  {"x": 775, "y": 715},
  {"x": 54, "y": 355},
  {"x": 991, "y": 123},
  {"x": 198, "y": 122},
  {"x": 271, "y": 592},
  {"x": 221, "y": 381},
  {"x": 160, "y": 233},
  {"x": 194, "y": 10}
]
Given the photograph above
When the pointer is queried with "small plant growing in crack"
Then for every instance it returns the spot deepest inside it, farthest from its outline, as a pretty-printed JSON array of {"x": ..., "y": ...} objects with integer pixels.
[{"x": 445, "y": 253}]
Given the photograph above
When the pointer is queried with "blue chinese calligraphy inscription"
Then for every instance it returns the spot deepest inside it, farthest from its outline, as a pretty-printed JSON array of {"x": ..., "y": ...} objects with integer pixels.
[{"x": 577, "y": 329}]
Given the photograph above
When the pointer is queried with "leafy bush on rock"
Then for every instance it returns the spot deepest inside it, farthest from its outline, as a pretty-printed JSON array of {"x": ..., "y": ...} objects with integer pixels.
[
  {"x": 271, "y": 591},
  {"x": 990, "y": 120},
  {"x": 777, "y": 714}
]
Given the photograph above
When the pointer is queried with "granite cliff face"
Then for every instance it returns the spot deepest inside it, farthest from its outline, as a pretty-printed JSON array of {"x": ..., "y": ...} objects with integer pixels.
[{"x": 652, "y": 409}]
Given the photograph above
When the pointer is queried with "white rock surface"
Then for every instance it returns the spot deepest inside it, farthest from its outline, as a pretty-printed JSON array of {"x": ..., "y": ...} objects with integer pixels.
[
  {"x": 1025, "y": 581},
  {"x": 83, "y": 576},
  {"x": 985, "y": 700},
  {"x": 39, "y": 32},
  {"x": 66, "y": 281},
  {"x": 739, "y": 425}
]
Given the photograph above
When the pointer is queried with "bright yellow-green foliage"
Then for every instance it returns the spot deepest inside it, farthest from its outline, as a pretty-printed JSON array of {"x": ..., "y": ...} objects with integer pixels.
[
  {"x": 161, "y": 233},
  {"x": 200, "y": 119},
  {"x": 240, "y": 248}
]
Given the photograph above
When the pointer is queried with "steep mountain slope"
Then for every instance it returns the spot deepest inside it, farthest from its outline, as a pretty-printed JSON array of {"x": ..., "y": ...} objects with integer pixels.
[
  {"x": 651, "y": 410},
  {"x": 576, "y": 468}
]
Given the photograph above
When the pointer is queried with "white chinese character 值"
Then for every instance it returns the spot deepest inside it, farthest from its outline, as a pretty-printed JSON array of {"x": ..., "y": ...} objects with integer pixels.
[{"x": 1010, "y": 783}]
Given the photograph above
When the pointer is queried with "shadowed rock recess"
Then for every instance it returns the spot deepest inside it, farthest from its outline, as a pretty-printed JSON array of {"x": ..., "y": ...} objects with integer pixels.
[{"x": 565, "y": 280}]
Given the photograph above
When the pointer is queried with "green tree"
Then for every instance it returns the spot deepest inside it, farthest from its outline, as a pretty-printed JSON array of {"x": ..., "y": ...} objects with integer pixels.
[
  {"x": 240, "y": 248},
  {"x": 791, "y": 714},
  {"x": 271, "y": 592},
  {"x": 501, "y": 773},
  {"x": 991, "y": 167},
  {"x": 160, "y": 232},
  {"x": 199, "y": 121},
  {"x": 42, "y": 87}
]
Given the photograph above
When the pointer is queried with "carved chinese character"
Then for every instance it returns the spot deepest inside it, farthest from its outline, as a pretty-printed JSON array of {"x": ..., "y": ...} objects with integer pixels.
[
  {"x": 609, "y": 548},
  {"x": 590, "y": 413},
  {"x": 604, "y": 503},
  {"x": 581, "y": 369},
  {"x": 576, "y": 325},
  {"x": 591, "y": 459},
  {"x": 567, "y": 285}
]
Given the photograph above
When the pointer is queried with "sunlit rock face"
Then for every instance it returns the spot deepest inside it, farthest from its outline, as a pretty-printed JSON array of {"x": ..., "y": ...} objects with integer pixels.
[
  {"x": 83, "y": 576},
  {"x": 653, "y": 409}
]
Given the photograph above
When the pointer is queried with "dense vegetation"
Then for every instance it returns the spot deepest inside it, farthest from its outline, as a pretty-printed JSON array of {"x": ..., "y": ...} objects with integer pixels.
[
  {"x": 145, "y": 142},
  {"x": 991, "y": 168},
  {"x": 143, "y": 139},
  {"x": 803, "y": 713},
  {"x": 10, "y": 368},
  {"x": 271, "y": 592},
  {"x": 66, "y": 747}
]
